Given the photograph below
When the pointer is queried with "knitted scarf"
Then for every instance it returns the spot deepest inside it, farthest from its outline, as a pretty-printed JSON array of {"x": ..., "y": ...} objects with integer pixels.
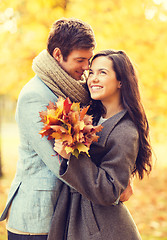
[{"x": 61, "y": 84}]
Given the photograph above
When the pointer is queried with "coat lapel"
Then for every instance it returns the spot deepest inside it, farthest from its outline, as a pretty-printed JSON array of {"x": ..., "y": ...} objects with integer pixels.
[{"x": 108, "y": 126}]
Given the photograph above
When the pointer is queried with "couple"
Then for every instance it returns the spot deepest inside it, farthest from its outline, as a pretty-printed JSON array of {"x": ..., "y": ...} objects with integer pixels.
[{"x": 78, "y": 199}]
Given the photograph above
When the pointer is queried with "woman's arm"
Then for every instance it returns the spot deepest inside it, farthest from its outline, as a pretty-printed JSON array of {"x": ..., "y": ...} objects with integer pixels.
[{"x": 104, "y": 184}]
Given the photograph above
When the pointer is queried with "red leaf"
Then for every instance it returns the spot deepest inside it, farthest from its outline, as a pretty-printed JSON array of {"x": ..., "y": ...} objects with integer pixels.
[
  {"x": 70, "y": 124},
  {"x": 67, "y": 105}
]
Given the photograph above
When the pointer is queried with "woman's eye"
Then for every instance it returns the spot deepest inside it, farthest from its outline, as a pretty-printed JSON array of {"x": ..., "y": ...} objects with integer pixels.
[{"x": 103, "y": 72}]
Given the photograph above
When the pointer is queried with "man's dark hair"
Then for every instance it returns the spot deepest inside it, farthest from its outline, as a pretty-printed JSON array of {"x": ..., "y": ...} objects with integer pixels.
[{"x": 68, "y": 34}]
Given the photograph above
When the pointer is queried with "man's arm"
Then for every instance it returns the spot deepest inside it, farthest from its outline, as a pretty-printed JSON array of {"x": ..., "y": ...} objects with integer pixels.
[
  {"x": 29, "y": 122},
  {"x": 128, "y": 192}
]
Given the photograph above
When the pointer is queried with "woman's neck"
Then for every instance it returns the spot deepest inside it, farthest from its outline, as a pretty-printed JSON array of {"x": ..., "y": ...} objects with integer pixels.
[{"x": 112, "y": 109}]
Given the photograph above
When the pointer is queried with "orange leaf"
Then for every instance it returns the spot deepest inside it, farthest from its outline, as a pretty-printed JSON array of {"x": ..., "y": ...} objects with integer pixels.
[
  {"x": 59, "y": 129},
  {"x": 83, "y": 112},
  {"x": 43, "y": 116},
  {"x": 46, "y": 132},
  {"x": 67, "y": 122},
  {"x": 51, "y": 106}
]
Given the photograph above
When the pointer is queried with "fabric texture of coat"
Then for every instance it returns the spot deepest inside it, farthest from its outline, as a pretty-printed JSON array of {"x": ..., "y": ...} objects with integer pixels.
[
  {"x": 87, "y": 210},
  {"x": 34, "y": 190}
]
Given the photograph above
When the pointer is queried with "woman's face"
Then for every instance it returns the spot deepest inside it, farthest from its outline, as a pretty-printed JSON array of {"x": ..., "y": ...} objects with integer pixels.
[{"x": 102, "y": 82}]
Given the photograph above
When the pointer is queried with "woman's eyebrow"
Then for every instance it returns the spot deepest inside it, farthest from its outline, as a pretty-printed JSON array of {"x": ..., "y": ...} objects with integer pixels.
[{"x": 102, "y": 69}]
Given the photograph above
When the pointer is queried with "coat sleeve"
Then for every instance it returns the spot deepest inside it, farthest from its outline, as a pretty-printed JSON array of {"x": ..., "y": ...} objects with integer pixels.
[
  {"x": 104, "y": 184},
  {"x": 29, "y": 124}
]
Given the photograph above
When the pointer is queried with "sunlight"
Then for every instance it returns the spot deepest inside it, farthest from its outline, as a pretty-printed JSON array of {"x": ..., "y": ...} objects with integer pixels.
[
  {"x": 153, "y": 11},
  {"x": 162, "y": 17},
  {"x": 158, "y": 1},
  {"x": 150, "y": 13},
  {"x": 163, "y": 2},
  {"x": 8, "y": 21}
]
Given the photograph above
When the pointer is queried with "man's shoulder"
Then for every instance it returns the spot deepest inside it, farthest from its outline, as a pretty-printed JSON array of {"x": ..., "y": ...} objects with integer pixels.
[{"x": 36, "y": 87}]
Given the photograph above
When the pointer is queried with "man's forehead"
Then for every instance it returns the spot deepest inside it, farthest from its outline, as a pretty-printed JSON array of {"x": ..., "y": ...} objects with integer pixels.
[{"x": 81, "y": 53}]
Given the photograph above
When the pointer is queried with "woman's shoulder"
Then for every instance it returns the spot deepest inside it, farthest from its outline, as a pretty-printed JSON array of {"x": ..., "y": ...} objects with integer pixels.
[
  {"x": 118, "y": 128},
  {"x": 120, "y": 120},
  {"x": 127, "y": 124},
  {"x": 120, "y": 124},
  {"x": 125, "y": 130}
]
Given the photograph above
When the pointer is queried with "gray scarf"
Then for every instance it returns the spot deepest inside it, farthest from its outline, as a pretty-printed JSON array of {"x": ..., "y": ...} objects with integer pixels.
[{"x": 62, "y": 84}]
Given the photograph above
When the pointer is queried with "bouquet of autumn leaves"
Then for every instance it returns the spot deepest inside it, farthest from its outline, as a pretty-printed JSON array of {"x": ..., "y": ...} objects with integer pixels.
[{"x": 67, "y": 122}]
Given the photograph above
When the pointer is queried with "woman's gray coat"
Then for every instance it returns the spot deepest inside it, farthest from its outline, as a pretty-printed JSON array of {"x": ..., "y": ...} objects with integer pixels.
[{"x": 89, "y": 212}]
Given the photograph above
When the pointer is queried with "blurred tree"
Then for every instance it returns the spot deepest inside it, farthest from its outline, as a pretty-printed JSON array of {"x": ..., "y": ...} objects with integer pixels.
[{"x": 138, "y": 27}]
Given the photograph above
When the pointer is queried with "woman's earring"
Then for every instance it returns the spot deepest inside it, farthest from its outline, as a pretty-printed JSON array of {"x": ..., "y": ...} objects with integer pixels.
[{"x": 120, "y": 84}]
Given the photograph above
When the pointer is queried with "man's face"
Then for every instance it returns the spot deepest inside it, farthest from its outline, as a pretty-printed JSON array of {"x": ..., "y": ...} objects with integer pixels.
[{"x": 77, "y": 62}]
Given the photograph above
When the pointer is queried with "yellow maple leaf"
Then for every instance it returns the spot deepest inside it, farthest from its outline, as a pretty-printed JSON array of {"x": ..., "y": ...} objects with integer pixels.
[
  {"x": 75, "y": 107},
  {"x": 69, "y": 123},
  {"x": 52, "y": 116},
  {"x": 82, "y": 148},
  {"x": 60, "y": 103},
  {"x": 69, "y": 149}
]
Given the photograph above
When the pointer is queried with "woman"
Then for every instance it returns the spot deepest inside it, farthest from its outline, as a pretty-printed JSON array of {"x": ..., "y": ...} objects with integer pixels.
[{"x": 123, "y": 149}]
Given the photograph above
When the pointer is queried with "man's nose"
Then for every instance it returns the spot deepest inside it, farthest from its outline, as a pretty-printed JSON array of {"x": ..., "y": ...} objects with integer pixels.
[{"x": 86, "y": 66}]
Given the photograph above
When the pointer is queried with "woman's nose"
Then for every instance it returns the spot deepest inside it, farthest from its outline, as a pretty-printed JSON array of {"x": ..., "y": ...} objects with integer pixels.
[{"x": 95, "y": 78}]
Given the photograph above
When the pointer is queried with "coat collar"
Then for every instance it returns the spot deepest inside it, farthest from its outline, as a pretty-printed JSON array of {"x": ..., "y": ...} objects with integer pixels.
[{"x": 108, "y": 126}]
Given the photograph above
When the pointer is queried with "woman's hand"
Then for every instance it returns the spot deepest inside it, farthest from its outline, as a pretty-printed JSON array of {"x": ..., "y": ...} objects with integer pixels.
[{"x": 60, "y": 149}]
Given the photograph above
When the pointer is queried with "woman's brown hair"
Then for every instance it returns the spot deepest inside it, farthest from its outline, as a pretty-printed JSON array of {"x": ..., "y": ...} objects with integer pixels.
[{"x": 131, "y": 101}]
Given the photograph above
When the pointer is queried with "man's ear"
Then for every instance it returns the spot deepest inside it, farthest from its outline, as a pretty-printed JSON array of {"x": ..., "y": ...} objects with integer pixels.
[{"x": 57, "y": 54}]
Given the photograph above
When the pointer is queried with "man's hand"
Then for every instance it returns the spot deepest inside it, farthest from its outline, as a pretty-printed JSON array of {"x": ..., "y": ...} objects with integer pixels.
[
  {"x": 127, "y": 193},
  {"x": 60, "y": 149}
]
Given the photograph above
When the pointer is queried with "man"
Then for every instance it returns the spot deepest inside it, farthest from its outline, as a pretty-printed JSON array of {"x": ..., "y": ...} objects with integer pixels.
[{"x": 59, "y": 69}]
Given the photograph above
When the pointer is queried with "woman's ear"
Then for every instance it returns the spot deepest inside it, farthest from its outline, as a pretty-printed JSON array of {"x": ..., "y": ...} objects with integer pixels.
[
  {"x": 57, "y": 54},
  {"x": 120, "y": 84}
]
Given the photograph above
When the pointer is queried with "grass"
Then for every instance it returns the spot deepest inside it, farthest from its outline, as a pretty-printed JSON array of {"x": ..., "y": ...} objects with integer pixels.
[{"x": 147, "y": 205}]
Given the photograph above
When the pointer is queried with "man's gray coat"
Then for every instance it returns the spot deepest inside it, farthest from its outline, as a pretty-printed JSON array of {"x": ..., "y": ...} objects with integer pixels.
[{"x": 34, "y": 191}]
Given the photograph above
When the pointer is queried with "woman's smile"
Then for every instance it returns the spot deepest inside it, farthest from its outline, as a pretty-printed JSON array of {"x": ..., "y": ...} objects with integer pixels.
[{"x": 95, "y": 87}]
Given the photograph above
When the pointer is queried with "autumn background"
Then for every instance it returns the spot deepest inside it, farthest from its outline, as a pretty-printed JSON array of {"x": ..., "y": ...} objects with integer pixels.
[{"x": 138, "y": 27}]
